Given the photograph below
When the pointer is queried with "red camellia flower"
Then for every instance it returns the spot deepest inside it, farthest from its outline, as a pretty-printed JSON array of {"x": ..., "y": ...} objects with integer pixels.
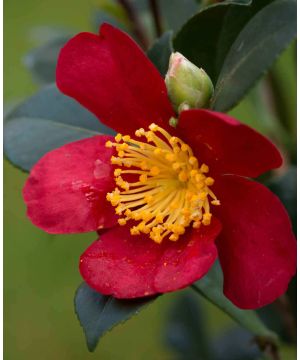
[{"x": 166, "y": 201}]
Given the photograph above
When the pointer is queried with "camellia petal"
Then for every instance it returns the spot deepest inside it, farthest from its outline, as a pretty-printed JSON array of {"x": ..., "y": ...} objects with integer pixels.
[
  {"x": 228, "y": 146},
  {"x": 111, "y": 76},
  {"x": 127, "y": 266},
  {"x": 257, "y": 248},
  {"x": 66, "y": 189}
]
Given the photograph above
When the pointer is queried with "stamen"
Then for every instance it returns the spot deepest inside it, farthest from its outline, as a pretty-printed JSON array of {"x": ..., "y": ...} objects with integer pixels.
[{"x": 166, "y": 191}]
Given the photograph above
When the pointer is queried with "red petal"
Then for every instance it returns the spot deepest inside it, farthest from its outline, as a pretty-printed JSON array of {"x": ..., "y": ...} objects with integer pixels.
[
  {"x": 66, "y": 189},
  {"x": 111, "y": 76},
  {"x": 257, "y": 248},
  {"x": 127, "y": 266},
  {"x": 226, "y": 145}
]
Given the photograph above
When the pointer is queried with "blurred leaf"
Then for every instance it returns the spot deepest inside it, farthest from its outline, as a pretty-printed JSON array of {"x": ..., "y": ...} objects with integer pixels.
[
  {"x": 174, "y": 13},
  {"x": 44, "y": 33},
  {"x": 213, "y": 2},
  {"x": 113, "y": 8},
  {"x": 44, "y": 122},
  {"x": 283, "y": 78},
  {"x": 257, "y": 46},
  {"x": 99, "y": 313},
  {"x": 100, "y": 17},
  {"x": 235, "y": 344},
  {"x": 177, "y": 12},
  {"x": 285, "y": 187},
  {"x": 186, "y": 331},
  {"x": 42, "y": 61},
  {"x": 288, "y": 352},
  {"x": 292, "y": 295},
  {"x": 271, "y": 317},
  {"x": 211, "y": 287},
  {"x": 160, "y": 52}
]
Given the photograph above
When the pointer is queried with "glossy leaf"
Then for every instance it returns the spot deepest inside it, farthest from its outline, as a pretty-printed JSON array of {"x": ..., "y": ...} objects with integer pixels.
[
  {"x": 44, "y": 122},
  {"x": 160, "y": 52},
  {"x": 26, "y": 139},
  {"x": 98, "y": 313},
  {"x": 257, "y": 46},
  {"x": 42, "y": 61},
  {"x": 199, "y": 37},
  {"x": 211, "y": 287}
]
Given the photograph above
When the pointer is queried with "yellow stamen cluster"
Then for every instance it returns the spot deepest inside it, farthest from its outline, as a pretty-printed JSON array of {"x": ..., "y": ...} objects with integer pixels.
[{"x": 170, "y": 190}]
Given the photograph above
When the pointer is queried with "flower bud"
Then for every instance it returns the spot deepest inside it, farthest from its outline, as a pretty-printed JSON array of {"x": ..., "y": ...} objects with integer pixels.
[{"x": 189, "y": 87}]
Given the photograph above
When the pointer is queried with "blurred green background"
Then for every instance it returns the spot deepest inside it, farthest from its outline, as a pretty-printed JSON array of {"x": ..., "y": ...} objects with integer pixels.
[{"x": 41, "y": 270}]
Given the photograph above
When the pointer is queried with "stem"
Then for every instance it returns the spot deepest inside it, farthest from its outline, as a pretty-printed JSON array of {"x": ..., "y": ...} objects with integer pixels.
[
  {"x": 138, "y": 27},
  {"x": 156, "y": 17},
  {"x": 266, "y": 343}
]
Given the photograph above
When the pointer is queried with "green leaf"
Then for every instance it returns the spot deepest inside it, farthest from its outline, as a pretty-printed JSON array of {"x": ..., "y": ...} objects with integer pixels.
[
  {"x": 260, "y": 42},
  {"x": 160, "y": 52},
  {"x": 206, "y": 37},
  {"x": 98, "y": 313},
  {"x": 44, "y": 122},
  {"x": 211, "y": 287},
  {"x": 42, "y": 61},
  {"x": 26, "y": 139}
]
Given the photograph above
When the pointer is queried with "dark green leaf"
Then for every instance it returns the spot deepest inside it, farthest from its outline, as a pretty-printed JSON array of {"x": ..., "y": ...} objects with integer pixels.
[
  {"x": 254, "y": 50},
  {"x": 234, "y": 21},
  {"x": 160, "y": 52},
  {"x": 211, "y": 287},
  {"x": 98, "y": 313},
  {"x": 26, "y": 139},
  {"x": 186, "y": 330},
  {"x": 199, "y": 38},
  {"x": 42, "y": 60},
  {"x": 44, "y": 122}
]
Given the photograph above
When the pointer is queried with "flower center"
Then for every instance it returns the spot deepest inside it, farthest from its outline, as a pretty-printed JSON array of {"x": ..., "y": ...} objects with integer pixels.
[{"x": 160, "y": 185}]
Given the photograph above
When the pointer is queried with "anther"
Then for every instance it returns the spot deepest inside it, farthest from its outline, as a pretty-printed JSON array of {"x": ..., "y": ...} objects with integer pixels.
[
  {"x": 204, "y": 168},
  {"x": 118, "y": 138},
  {"x": 168, "y": 192}
]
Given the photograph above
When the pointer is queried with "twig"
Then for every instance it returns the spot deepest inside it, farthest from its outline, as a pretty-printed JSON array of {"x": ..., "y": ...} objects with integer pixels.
[
  {"x": 156, "y": 17},
  {"x": 268, "y": 347},
  {"x": 272, "y": 352},
  {"x": 134, "y": 18},
  {"x": 284, "y": 307}
]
